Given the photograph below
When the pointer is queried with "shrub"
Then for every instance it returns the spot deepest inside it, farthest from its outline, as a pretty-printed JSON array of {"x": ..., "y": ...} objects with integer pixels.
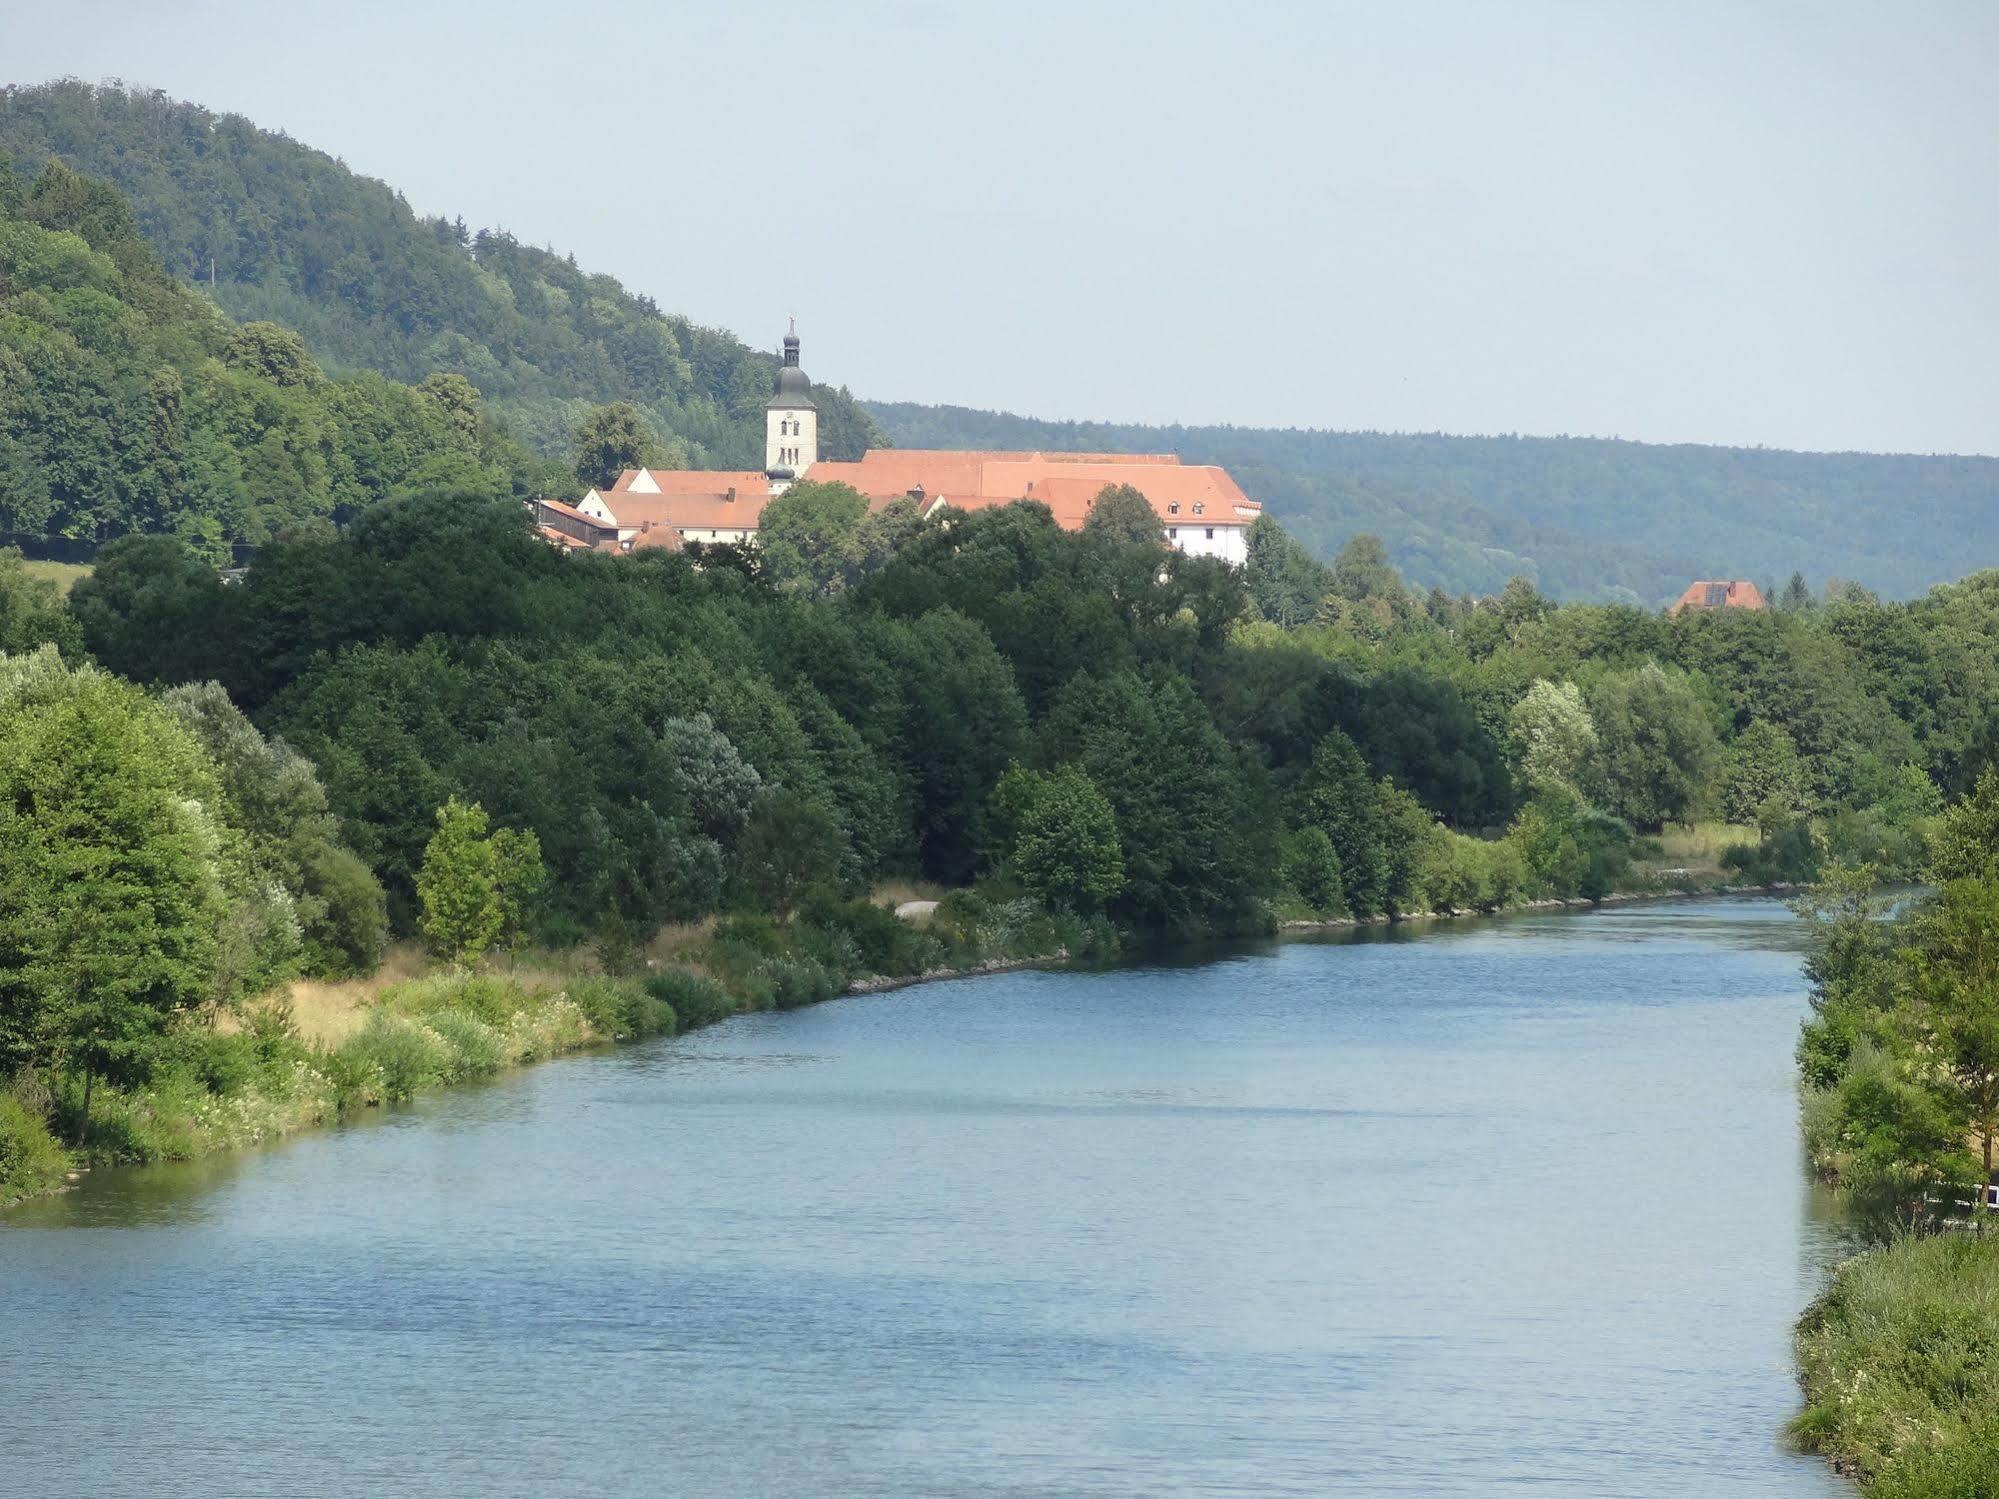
[
  {"x": 801, "y": 981},
  {"x": 1901, "y": 1367},
  {"x": 477, "y": 1050},
  {"x": 490, "y": 998},
  {"x": 30, "y": 1159},
  {"x": 695, "y": 999},
  {"x": 623, "y": 1011},
  {"x": 407, "y": 1056}
]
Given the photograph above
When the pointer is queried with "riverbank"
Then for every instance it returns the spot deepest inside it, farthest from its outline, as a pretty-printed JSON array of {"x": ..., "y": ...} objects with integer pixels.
[
  {"x": 1899, "y": 1360},
  {"x": 307, "y": 1059}
]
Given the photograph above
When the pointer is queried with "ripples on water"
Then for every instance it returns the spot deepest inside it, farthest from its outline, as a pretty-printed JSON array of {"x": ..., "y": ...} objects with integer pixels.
[{"x": 1509, "y": 1207}]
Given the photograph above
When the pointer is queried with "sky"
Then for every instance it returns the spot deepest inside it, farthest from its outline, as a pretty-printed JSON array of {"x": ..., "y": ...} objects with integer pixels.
[{"x": 1751, "y": 223}]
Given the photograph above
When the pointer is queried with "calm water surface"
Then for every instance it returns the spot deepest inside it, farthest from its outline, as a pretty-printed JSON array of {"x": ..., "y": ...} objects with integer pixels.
[{"x": 1512, "y": 1207}]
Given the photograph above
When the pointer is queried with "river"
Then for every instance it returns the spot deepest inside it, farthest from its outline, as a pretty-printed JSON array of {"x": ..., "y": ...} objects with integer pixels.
[{"x": 1503, "y": 1207}]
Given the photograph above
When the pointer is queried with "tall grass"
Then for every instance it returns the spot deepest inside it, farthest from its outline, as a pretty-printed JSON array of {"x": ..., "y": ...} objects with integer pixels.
[
  {"x": 31, "y": 1162},
  {"x": 1900, "y": 1363}
]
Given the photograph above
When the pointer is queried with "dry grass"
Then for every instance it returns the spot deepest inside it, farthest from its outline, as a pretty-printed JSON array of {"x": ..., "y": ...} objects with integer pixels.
[
  {"x": 327, "y": 1012},
  {"x": 62, "y": 574},
  {"x": 671, "y": 942},
  {"x": 892, "y": 893},
  {"x": 1698, "y": 846}
]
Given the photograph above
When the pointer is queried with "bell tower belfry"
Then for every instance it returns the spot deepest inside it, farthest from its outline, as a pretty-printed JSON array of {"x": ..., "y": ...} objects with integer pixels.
[{"x": 791, "y": 421}]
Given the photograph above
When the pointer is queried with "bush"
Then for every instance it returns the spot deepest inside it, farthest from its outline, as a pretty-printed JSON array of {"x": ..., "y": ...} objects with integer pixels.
[
  {"x": 30, "y": 1160},
  {"x": 623, "y": 1011},
  {"x": 881, "y": 941},
  {"x": 477, "y": 1050},
  {"x": 487, "y": 997},
  {"x": 1901, "y": 1368},
  {"x": 801, "y": 981},
  {"x": 406, "y": 1056},
  {"x": 694, "y": 999}
]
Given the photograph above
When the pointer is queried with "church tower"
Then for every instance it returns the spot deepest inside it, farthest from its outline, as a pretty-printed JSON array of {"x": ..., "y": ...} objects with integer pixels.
[{"x": 791, "y": 421}]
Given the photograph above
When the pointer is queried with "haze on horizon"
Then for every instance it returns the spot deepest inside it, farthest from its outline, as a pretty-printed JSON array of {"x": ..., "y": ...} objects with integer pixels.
[{"x": 1678, "y": 224}]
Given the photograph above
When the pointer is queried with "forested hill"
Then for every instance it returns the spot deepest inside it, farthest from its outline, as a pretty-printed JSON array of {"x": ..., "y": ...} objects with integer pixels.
[
  {"x": 128, "y": 402},
  {"x": 1585, "y": 518},
  {"x": 297, "y": 239}
]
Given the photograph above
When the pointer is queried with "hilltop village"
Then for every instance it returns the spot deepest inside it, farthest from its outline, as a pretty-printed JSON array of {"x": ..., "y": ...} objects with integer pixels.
[{"x": 1202, "y": 510}]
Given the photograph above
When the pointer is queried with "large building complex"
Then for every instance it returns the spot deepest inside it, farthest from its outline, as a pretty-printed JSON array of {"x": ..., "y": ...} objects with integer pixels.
[{"x": 1202, "y": 511}]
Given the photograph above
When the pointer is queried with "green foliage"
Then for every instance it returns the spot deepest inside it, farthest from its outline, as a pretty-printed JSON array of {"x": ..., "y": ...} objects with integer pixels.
[
  {"x": 1656, "y": 745},
  {"x": 1309, "y": 867},
  {"x": 1122, "y": 513},
  {"x": 1555, "y": 736},
  {"x": 115, "y": 870},
  {"x": 1760, "y": 766},
  {"x": 610, "y": 440},
  {"x": 1901, "y": 1369},
  {"x": 31, "y": 1162},
  {"x": 694, "y": 998},
  {"x": 475, "y": 886},
  {"x": 1062, "y": 840},
  {"x": 284, "y": 233},
  {"x": 31, "y": 611},
  {"x": 821, "y": 539},
  {"x": 292, "y": 841},
  {"x": 128, "y": 403}
]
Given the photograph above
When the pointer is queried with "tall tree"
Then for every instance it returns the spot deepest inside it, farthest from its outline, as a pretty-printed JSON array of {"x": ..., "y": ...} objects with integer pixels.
[{"x": 610, "y": 440}]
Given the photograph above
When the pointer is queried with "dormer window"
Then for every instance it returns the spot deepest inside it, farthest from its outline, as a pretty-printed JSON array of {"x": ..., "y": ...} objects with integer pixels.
[
  {"x": 1173, "y": 508},
  {"x": 1200, "y": 508}
]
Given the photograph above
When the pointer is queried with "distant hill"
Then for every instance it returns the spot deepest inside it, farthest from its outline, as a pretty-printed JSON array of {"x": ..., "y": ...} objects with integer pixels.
[
  {"x": 1585, "y": 518},
  {"x": 296, "y": 238}
]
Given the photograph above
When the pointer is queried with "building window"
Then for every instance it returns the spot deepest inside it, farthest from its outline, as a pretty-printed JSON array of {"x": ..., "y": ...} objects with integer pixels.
[
  {"x": 1211, "y": 533},
  {"x": 1174, "y": 534}
]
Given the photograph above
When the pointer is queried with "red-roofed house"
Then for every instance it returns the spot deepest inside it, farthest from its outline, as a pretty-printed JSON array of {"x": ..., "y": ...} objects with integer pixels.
[
  {"x": 1202, "y": 511},
  {"x": 1704, "y": 594}
]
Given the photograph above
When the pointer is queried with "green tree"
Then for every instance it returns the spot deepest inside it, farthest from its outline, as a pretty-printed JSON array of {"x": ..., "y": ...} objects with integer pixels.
[
  {"x": 1309, "y": 866},
  {"x": 1340, "y": 798},
  {"x": 1122, "y": 513},
  {"x": 790, "y": 847},
  {"x": 113, "y": 870},
  {"x": 610, "y": 440},
  {"x": 1555, "y": 736},
  {"x": 273, "y": 794},
  {"x": 1760, "y": 766},
  {"x": 1285, "y": 580},
  {"x": 1065, "y": 840},
  {"x": 31, "y": 610},
  {"x": 474, "y": 886},
  {"x": 1656, "y": 745},
  {"x": 1954, "y": 983}
]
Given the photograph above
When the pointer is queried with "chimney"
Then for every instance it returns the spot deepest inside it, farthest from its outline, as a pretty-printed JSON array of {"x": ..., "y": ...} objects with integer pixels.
[{"x": 731, "y": 495}]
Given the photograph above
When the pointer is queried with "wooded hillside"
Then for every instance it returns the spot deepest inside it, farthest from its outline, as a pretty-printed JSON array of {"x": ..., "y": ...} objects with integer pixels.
[{"x": 294, "y": 237}]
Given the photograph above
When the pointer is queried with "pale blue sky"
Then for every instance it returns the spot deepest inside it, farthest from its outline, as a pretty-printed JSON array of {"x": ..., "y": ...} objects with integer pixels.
[{"x": 1721, "y": 222}]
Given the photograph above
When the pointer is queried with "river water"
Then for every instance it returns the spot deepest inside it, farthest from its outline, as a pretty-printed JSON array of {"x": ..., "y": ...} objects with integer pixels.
[{"x": 1494, "y": 1208}]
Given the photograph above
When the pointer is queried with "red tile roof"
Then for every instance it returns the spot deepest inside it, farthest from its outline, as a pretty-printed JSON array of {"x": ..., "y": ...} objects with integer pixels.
[
  {"x": 1067, "y": 483},
  {"x": 690, "y": 511},
  {"x": 692, "y": 481},
  {"x": 1719, "y": 594}
]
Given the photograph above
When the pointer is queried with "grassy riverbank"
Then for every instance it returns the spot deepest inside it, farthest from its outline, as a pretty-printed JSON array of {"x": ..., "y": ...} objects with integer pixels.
[
  {"x": 1900, "y": 1364},
  {"x": 316, "y": 1051}
]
